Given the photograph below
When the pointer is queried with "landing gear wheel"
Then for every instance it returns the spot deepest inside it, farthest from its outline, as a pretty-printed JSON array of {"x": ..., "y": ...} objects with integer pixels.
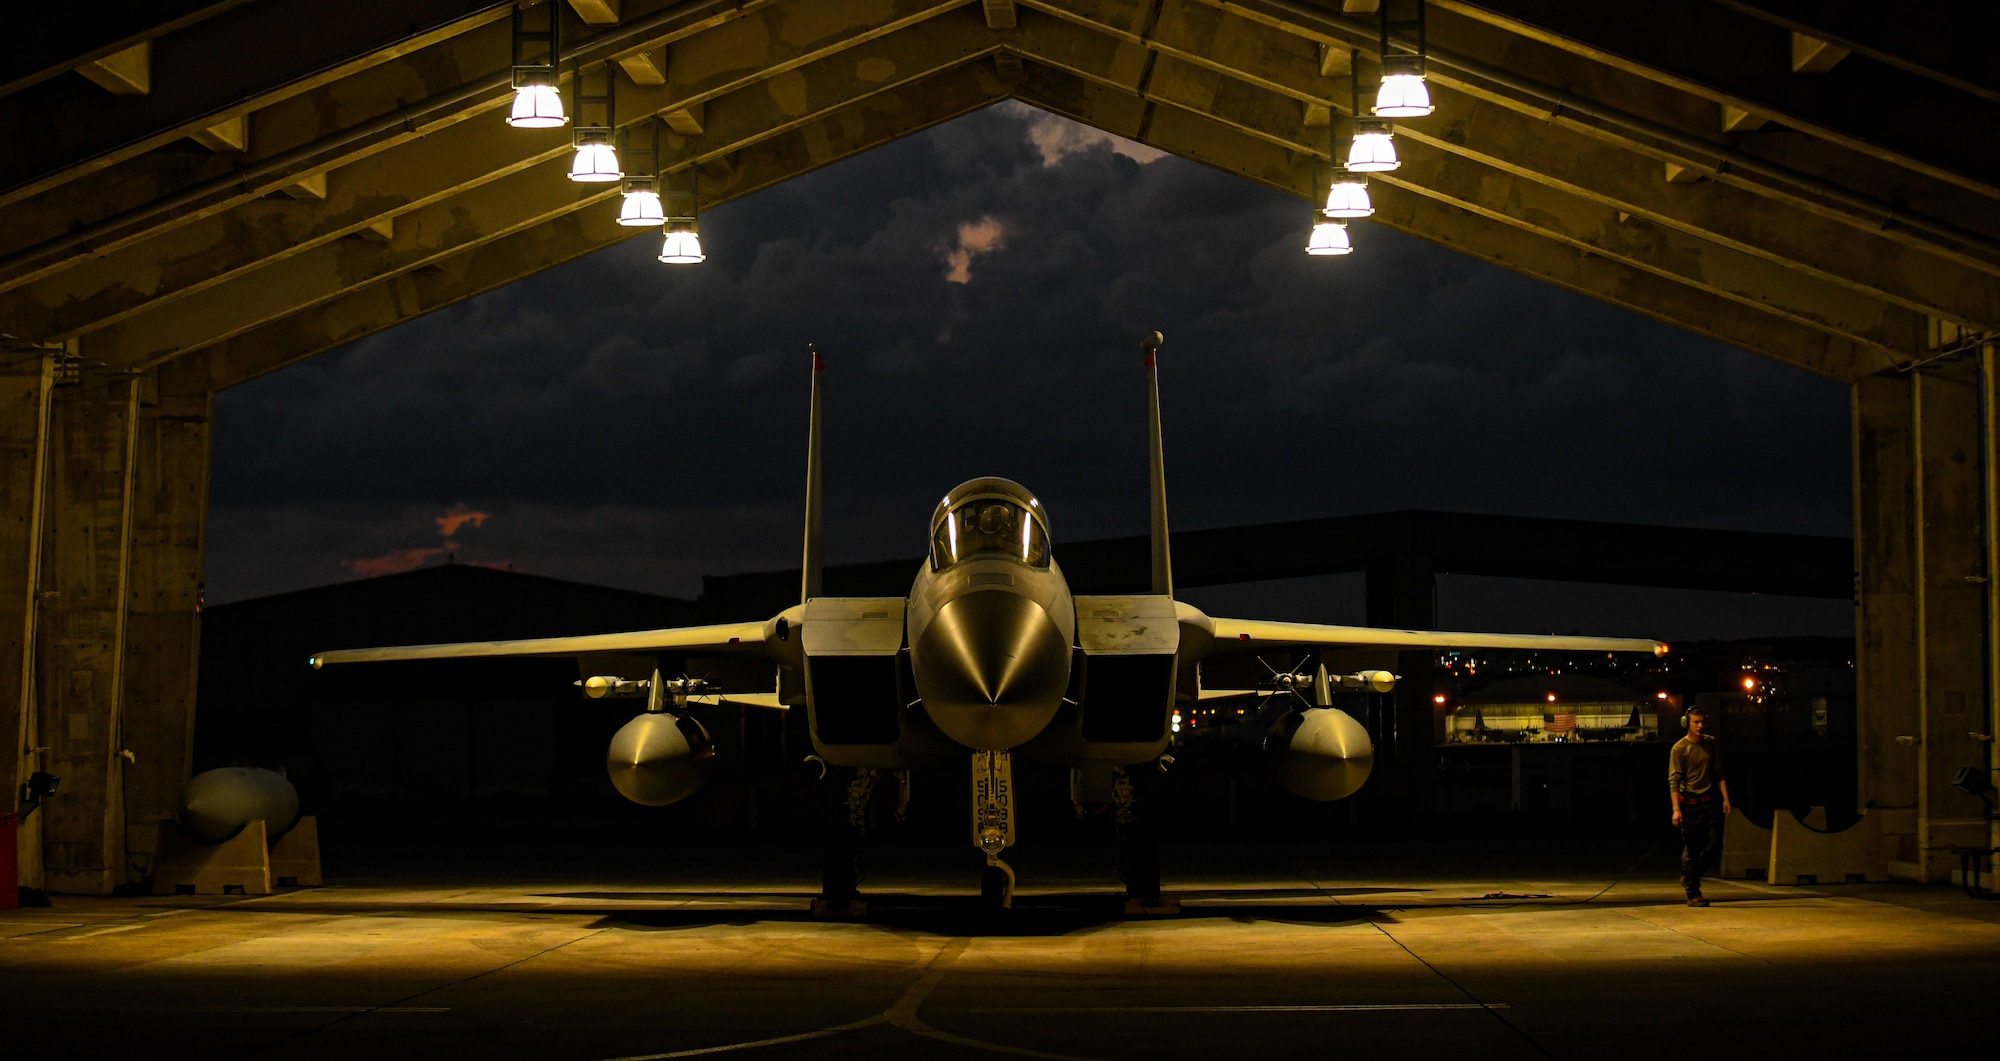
[{"x": 996, "y": 888}]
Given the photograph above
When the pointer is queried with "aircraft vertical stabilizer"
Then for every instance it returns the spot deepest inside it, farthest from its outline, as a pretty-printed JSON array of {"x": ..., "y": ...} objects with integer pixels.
[
  {"x": 810, "y": 566},
  {"x": 1163, "y": 564}
]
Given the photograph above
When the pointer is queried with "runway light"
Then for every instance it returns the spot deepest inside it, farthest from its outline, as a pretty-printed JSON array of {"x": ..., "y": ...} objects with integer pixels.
[
  {"x": 641, "y": 209},
  {"x": 596, "y": 161},
  {"x": 1438, "y": 699},
  {"x": 1402, "y": 93},
  {"x": 1372, "y": 148},
  {"x": 1329, "y": 238},
  {"x": 1347, "y": 196}
]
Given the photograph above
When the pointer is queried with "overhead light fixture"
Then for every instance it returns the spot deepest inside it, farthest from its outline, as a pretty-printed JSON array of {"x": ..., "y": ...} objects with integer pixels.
[
  {"x": 1372, "y": 149},
  {"x": 641, "y": 208},
  {"x": 1402, "y": 93},
  {"x": 596, "y": 161},
  {"x": 537, "y": 101},
  {"x": 683, "y": 244},
  {"x": 1328, "y": 238},
  {"x": 1347, "y": 196}
]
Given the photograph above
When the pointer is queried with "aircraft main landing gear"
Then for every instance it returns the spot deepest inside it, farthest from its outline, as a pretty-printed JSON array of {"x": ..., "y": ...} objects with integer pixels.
[{"x": 993, "y": 827}]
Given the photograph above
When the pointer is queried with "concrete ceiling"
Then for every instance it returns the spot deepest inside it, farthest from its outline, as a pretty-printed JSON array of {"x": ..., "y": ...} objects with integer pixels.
[{"x": 233, "y": 186}]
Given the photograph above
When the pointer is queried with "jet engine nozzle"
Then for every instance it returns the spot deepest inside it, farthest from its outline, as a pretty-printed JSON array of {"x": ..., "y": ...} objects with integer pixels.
[
  {"x": 216, "y": 804},
  {"x": 991, "y": 667},
  {"x": 1321, "y": 754},
  {"x": 659, "y": 758}
]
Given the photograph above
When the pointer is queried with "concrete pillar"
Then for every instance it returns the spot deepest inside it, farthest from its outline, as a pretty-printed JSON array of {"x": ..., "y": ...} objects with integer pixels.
[
  {"x": 1925, "y": 643},
  {"x": 1989, "y": 378},
  {"x": 25, "y": 379},
  {"x": 1885, "y": 635},
  {"x": 163, "y": 599},
  {"x": 1402, "y": 594},
  {"x": 1951, "y": 547},
  {"x": 80, "y": 636}
]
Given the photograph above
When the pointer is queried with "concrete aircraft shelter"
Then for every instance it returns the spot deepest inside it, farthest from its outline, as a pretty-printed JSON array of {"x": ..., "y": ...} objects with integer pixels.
[{"x": 197, "y": 192}]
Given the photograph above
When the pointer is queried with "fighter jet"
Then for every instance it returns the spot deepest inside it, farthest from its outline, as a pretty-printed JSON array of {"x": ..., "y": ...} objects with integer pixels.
[{"x": 989, "y": 655}]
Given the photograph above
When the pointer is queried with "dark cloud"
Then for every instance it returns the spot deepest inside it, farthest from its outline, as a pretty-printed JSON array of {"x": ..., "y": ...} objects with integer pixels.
[{"x": 641, "y": 424}]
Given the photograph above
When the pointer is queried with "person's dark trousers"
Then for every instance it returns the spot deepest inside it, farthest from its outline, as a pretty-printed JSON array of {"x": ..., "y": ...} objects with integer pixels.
[{"x": 1701, "y": 840}]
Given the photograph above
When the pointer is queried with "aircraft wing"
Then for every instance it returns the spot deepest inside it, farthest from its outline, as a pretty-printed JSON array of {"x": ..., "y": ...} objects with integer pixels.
[
  {"x": 1257, "y": 635},
  {"x": 723, "y": 638}
]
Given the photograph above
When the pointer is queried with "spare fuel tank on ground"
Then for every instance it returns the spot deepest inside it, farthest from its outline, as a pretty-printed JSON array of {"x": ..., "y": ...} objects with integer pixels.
[{"x": 217, "y": 804}]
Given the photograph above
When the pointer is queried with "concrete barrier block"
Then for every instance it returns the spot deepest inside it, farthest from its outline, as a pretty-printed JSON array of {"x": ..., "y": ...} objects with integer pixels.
[
  {"x": 295, "y": 857},
  {"x": 1746, "y": 849},
  {"x": 1801, "y": 854},
  {"x": 240, "y": 865}
]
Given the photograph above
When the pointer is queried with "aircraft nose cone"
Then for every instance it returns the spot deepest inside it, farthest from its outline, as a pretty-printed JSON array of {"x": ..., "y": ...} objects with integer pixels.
[{"x": 991, "y": 668}]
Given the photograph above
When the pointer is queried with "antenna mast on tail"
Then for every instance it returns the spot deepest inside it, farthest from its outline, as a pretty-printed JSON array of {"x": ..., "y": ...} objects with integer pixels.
[
  {"x": 810, "y": 567},
  {"x": 1163, "y": 564}
]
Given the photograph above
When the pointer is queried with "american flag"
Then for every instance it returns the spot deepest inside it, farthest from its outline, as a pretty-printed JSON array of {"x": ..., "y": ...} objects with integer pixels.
[{"x": 1562, "y": 722}]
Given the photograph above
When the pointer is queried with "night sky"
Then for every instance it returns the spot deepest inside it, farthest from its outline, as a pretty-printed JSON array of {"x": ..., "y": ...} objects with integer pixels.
[{"x": 979, "y": 291}]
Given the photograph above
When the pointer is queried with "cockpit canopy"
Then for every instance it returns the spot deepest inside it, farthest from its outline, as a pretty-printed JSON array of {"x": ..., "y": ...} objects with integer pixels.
[{"x": 995, "y": 518}]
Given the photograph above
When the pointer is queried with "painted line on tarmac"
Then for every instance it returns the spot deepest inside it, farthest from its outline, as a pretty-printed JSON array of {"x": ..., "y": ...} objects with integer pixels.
[
  {"x": 903, "y": 1014},
  {"x": 1380, "y": 1007}
]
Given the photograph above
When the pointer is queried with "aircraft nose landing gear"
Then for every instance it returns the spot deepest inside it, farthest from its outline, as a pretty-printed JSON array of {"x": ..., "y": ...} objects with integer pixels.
[{"x": 993, "y": 827}]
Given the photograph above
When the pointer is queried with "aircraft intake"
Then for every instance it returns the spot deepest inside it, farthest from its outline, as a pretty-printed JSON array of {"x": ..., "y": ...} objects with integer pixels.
[
  {"x": 216, "y": 804},
  {"x": 991, "y": 667},
  {"x": 659, "y": 758},
  {"x": 1321, "y": 753}
]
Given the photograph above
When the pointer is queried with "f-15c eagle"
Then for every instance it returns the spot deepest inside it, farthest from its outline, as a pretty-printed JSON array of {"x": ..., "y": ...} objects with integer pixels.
[{"x": 989, "y": 655}]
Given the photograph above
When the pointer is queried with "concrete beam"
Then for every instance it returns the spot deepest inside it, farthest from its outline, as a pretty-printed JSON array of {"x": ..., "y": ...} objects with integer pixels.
[
  {"x": 597, "y": 12},
  {"x": 754, "y": 113},
  {"x": 1895, "y": 265},
  {"x": 1897, "y": 333},
  {"x": 80, "y": 638},
  {"x": 1882, "y": 263},
  {"x": 768, "y": 42},
  {"x": 110, "y": 288},
  {"x": 1888, "y": 719},
  {"x": 1000, "y": 14},
  {"x": 329, "y": 127},
  {"x": 849, "y": 131},
  {"x": 25, "y": 382},
  {"x": 1649, "y": 118},
  {"x": 146, "y": 333},
  {"x": 1813, "y": 55},
  {"x": 62, "y": 37},
  {"x": 229, "y": 134},
  {"x": 275, "y": 50},
  {"x": 1877, "y": 261},
  {"x": 483, "y": 213},
  {"x": 1727, "y": 58},
  {"x": 1926, "y": 40},
  {"x": 1655, "y": 294},
  {"x": 163, "y": 599},
  {"x": 128, "y": 72}
]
